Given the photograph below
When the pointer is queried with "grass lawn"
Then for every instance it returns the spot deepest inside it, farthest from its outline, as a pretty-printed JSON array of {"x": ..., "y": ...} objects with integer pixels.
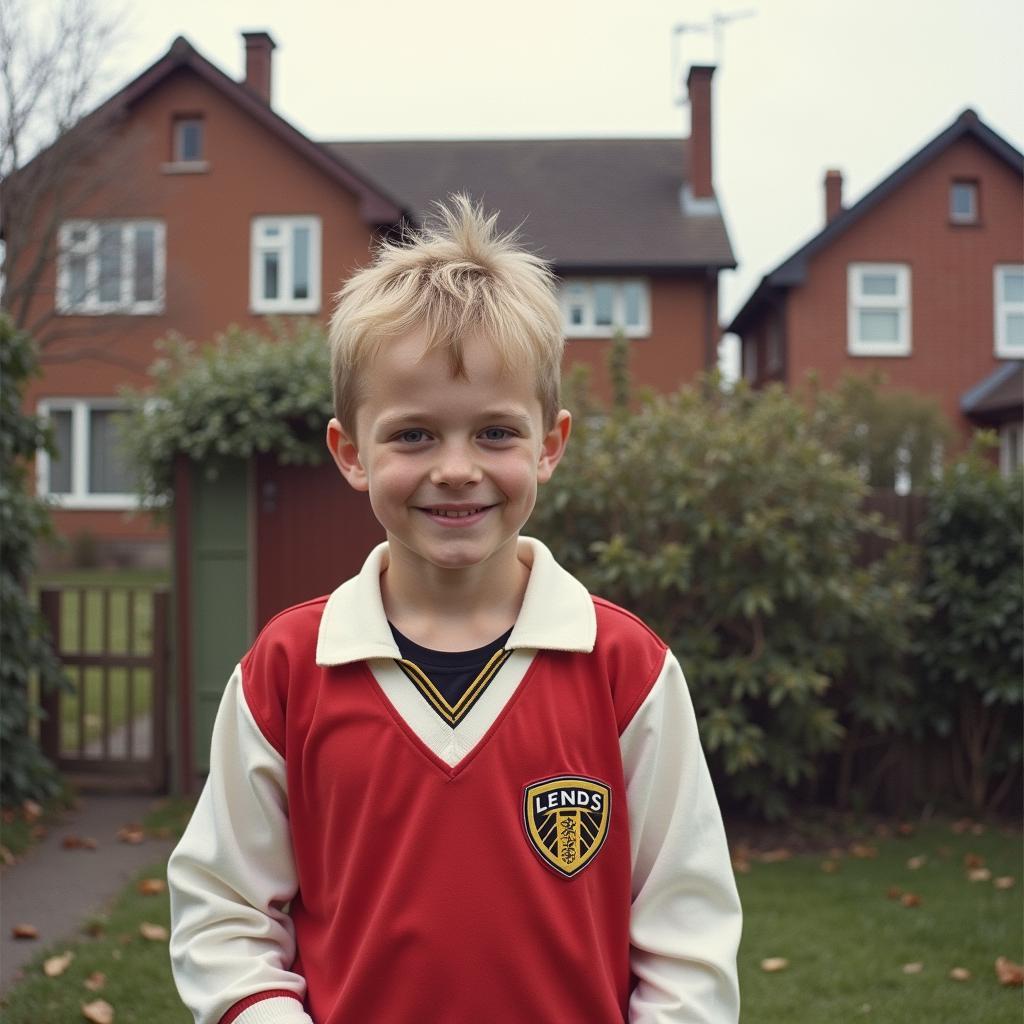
[
  {"x": 82, "y": 629},
  {"x": 845, "y": 940}
]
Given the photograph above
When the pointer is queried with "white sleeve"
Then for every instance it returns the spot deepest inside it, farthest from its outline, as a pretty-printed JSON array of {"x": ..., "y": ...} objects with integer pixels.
[
  {"x": 229, "y": 878},
  {"x": 685, "y": 919}
]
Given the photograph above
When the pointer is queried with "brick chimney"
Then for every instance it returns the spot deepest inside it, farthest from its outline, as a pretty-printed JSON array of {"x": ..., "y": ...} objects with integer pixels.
[
  {"x": 833, "y": 195},
  {"x": 258, "y": 49},
  {"x": 698, "y": 86}
]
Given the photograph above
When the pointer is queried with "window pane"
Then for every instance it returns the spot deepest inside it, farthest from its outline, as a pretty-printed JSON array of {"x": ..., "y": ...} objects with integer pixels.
[
  {"x": 300, "y": 263},
  {"x": 961, "y": 200},
  {"x": 59, "y": 481},
  {"x": 270, "y": 265},
  {"x": 108, "y": 467},
  {"x": 78, "y": 280},
  {"x": 110, "y": 263},
  {"x": 190, "y": 139},
  {"x": 633, "y": 295},
  {"x": 1015, "y": 330},
  {"x": 879, "y": 325},
  {"x": 878, "y": 284},
  {"x": 1013, "y": 286},
  {"x": 145, "y": 264},
  {"x": 604, "y": 299}
]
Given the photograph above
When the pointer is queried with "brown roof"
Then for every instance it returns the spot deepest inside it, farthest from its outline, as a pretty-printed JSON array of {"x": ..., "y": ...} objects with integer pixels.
[{"x": 584, "y": 204}]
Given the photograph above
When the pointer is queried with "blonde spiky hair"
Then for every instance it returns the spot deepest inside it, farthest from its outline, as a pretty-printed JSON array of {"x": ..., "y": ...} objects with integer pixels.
[{"x": 453, "y": 279}]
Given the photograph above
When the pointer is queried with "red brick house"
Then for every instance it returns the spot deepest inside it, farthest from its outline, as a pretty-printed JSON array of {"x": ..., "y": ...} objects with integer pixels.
[
  {"x": 921, "y": 279},
  {"x": 223, "y": 213}
]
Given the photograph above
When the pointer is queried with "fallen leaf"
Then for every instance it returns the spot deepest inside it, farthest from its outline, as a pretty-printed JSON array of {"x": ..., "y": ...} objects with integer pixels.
[
  {"x": 835, "y": 853},
  {"x": 9, "y": 815},
  {"x": 95, "y": 981},
  {"x": 864, "y": 851},
  {"x": 775, "y": 856},
  {"x": 773, "y": 964},
  {"x": 6, "y": 856},
  {"x": 973, "y": 860},
  {"x": 977, "y": 830},
  {"x": 830, "y": 867},
  {"x": 89, "y": 844},
  {"x": 1009, "y": 973},
  {"x": 25, "y": 931},
  {"x": 913, "y": 968},
  {"x": 894, "y": 892},
  {"x": 961, "y": 826},
  {"x": 905, "y": 828},
  {"x": 741, "y": 866},
  {"x": 57, "y": 965},
  {"x": 116, "y": 954},
  {"x": 31, "y": 810},
  {"x": 910, "y": 899},
  {"x": 98, "y": 1012},
  {"x": 915, "y": 863},
  {"x": 96, "y": 929},
  {"x": 979, "y": 875},
  {"x": 38, "y": 831},
  {"x": 960, "y": 974},
  {"x": 153, "y": 932},
  {"x": 72, "y": 842},
  {"x": 1004, "y": 882},
  {"x": 131, "y": 833},
  {"x": 883, "y": 831},
  {"x": 152, "y": 886}
]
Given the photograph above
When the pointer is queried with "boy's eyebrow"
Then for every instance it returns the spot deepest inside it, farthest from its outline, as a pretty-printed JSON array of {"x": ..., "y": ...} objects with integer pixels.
[{"x": 515, "y": 417}]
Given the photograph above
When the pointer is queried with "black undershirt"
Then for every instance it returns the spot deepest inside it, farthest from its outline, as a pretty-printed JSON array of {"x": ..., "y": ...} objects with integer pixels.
[{"x": 452, "y": 672}]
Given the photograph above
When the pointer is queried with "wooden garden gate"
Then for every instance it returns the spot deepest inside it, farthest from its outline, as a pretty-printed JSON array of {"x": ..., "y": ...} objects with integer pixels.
[{"x": 110, "y": 731}]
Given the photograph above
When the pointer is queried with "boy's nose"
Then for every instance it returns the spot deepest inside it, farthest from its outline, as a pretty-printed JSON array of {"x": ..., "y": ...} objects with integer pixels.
[{"x": 455, "y": 467}]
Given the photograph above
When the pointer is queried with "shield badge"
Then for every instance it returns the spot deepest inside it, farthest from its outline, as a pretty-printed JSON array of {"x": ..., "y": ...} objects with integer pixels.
[{"x": 566, "y": 820}]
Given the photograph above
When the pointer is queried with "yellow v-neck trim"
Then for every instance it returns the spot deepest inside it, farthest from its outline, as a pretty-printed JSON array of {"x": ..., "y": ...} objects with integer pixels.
[{"x": 452, "y": 714}]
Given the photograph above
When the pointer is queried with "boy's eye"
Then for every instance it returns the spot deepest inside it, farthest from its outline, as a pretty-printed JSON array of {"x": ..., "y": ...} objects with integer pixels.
[
  {"x": 412, "y": 436},
  {"x": 496, "y": 434}
]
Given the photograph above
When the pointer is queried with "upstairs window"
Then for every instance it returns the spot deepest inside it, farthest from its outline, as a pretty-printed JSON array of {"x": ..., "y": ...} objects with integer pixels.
[
  {"x": 111, "y": 266},
  {"x": 597, "y": 307},
  {"x": 285, "y": 265},
  {"x": 90, "y": 468},
  {"x": 188, "y": 140},
  {"x": 963, "y": 202},
  {"x": 1009, "y": 310},
  {"x": 878, "y": 309}
]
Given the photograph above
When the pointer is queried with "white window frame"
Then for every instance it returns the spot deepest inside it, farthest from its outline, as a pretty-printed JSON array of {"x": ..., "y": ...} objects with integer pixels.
[
  {"x": 126, "y": 304},
  {"x": 1002, "y": 308},
  {"x": 588, "y": 329},
  {"x": 971, "y": 216},
  {"x": 857, "y": 301},
  {"x": 261, "y": 243},
  {"x": 180, "y": 124},
  {"x": 1011, "y": 448},
  {"x": 80, "y": 497}
]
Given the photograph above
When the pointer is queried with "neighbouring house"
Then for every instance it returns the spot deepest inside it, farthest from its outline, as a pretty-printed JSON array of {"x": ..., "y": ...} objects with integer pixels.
[
  {"x": 220, "y": 212},
  {"x": 921, "y": 279}
]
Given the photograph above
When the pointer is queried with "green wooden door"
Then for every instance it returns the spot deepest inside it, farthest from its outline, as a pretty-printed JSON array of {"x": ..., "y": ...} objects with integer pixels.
[{"x": 220, "y": 604}]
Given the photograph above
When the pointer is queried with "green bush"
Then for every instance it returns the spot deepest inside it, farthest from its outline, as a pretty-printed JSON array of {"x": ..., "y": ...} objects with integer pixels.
[
  {"x": 24, "y": 638},
  {"x": 724, "y": 522},
  {"x": 245, "y": 393},
  {"x": 971, "y": 649}
]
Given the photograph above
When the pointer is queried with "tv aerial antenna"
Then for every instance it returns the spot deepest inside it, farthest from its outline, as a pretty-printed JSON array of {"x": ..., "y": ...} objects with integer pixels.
[{"x": 716, "y": 27}]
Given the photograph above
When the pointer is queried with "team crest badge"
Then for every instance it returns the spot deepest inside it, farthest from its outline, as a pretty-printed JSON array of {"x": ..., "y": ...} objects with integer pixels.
[{"x": 566, "y": 820}]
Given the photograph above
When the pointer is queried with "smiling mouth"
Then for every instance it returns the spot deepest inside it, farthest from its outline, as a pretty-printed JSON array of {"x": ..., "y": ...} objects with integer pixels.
[{"x": 456, "y": 513}]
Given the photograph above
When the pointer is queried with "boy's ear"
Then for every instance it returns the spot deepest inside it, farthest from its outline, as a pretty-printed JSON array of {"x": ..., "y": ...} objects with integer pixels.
[
  {"x": 553, "y": 446},
  {"x": 346, "y": 456}
]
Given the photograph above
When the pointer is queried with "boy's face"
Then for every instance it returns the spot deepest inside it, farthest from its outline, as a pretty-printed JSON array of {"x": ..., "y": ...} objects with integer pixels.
[{"x": 451, "y": 464}]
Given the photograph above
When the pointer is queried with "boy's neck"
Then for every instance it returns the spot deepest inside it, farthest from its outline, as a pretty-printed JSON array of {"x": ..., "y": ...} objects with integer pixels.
[{"x": 453, "y": 609}]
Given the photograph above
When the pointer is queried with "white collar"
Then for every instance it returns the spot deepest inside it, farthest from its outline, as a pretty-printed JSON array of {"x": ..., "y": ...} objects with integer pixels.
[{"x": 557, "y": 612}]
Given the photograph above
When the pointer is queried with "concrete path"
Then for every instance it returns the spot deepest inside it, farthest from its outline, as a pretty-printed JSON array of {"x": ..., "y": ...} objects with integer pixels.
[{"x": 57, "y": 890}]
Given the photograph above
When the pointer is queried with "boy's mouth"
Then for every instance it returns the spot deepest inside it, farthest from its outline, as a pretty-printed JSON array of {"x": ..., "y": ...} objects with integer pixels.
[{"x": 462, "y": 512}]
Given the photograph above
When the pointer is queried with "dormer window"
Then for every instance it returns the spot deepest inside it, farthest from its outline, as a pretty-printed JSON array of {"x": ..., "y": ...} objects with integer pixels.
[
  {"x": 188, "y": 139},
  {"x": 963, "y": 202}
]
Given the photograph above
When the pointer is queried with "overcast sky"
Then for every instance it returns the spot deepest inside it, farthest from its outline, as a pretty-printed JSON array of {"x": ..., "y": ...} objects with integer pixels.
[{"x": 801, "y": 86}]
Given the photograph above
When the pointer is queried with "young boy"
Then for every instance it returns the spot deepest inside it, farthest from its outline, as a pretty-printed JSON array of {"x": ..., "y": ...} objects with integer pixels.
[{"x": 459, "y": 789}]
